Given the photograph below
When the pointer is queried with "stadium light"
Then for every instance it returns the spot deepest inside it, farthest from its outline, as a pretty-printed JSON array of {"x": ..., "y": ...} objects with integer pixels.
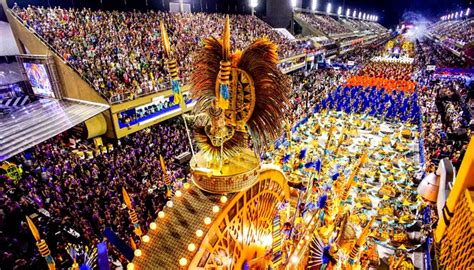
[
  {"x": 339, "y": 11},
  {"x": 314, "y": 5},
  {"x": 364, "y": 16},
  {"x": 348, "y": 13},
  {"x": 293, "y": 3},
  {"x": 360, "y": 15},
  {"x": 354, "y": 14},
  {"x": 328, "y": 8},
  {"x": 376, "y": 18},
  {"x": 253, "y": 3},
  {"x": 461, "y": 13},
  {"x": 468, "y": 11},
  {"x": 456, "y": 15}
]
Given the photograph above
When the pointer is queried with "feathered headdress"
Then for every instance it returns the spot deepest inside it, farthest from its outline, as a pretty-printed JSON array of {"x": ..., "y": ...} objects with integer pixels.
[{"x": 245, "y": 88}]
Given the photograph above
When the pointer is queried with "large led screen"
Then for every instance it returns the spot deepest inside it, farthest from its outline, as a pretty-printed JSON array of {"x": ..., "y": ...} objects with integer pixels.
[{"x": 39, "y": 79}]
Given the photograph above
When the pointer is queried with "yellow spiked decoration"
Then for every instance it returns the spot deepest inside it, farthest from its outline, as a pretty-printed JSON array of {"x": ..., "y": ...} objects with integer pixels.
[
  {"x": 223, "y": 95},
  {"x": 360, "y": 241},
  {"x": 41, "y": 244},
  {"x": 172, "y": 65},
  {"x": 132, "y": 213},
  {"x": 163, "y": 167},
  {"x": 350, "y": 181},
  {"x": 166, "y": 179},
  {"x": 330, "y": 133},
  {"x": 339, "y": 143}
]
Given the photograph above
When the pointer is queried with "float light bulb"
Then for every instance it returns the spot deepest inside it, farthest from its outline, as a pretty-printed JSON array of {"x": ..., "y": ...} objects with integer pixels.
[
  {"x": 294, "y": 259},
  {"x": 199, "y": 233},
  {"x": 187, "y": 185},
  {"x": 161, "y": 214},
  {"x": 137, "y": 252},
  {"x": 146, "y": 238},
  {"x": 153, "y": 226},
  {"x": 183, "y": 261},
  {"x": 223, "y": 199}
]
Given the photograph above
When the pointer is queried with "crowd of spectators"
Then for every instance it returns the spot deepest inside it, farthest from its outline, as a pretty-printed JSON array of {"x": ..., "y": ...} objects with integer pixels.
[
  {"x": 83, "y": 195},
  {"x": 120, "y": 53},
  {"x": 329, "y": 25},
  {"x": 446, "y": 114},
  {"x": 441, "y": 57},
  {"x": 460, "y": 31},
  {"x": 446, "y": 122},
  {"x": 392, "y": 71},
  {"x": 324, "y": 23}
]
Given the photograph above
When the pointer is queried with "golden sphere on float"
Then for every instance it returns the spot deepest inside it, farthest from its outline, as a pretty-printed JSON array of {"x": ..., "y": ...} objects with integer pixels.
[
  {"x": 146, "y": 238},
  {"x": 187, "y": 185},
  {"x": 137, "y": 252},
  {"x": 215, "y": 209},
  {"x": 223, "y": 199},
  {"x": 169, "y": 204},
  {"x": 199, "y": 233},
  {"x": 178, "y": 193},
  {"x": 130, "y": 266},
  {"x": 183, "y": 261},
  {"x": 161, "y": 214},
  {"x": 207, "y": 220},
  {"x": 191, "y": 247},
  {"x": 153, "y": 226}
]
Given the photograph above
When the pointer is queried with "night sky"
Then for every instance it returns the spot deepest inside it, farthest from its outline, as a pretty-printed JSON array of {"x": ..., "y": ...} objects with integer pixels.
[{"x": 391, "y": 11}]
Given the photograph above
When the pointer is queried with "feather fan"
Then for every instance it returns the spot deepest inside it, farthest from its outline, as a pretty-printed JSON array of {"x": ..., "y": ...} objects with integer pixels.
[{"x": 272, "y": 88}]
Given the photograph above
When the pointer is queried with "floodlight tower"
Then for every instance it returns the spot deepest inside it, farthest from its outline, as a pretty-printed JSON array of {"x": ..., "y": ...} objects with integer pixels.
[
  {"x": 314, "y": 5},
  {"x": 293, "y": 6},
  {"x": 253, "y": 4}
]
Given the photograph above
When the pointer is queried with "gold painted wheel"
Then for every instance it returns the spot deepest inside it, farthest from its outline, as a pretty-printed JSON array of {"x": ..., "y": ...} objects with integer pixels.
[{"x": 243, "y": 230}]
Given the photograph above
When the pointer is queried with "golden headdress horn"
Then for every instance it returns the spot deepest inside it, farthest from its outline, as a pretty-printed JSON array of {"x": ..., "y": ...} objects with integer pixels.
[
  {"x": 126, "y": 198},
  {"x": 165, "y": 40},
  {"x": 33, "y": 229}
]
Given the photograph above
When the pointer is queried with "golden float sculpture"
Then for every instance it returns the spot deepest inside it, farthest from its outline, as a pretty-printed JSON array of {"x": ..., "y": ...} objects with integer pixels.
[{"x": 238, "y": 95}]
